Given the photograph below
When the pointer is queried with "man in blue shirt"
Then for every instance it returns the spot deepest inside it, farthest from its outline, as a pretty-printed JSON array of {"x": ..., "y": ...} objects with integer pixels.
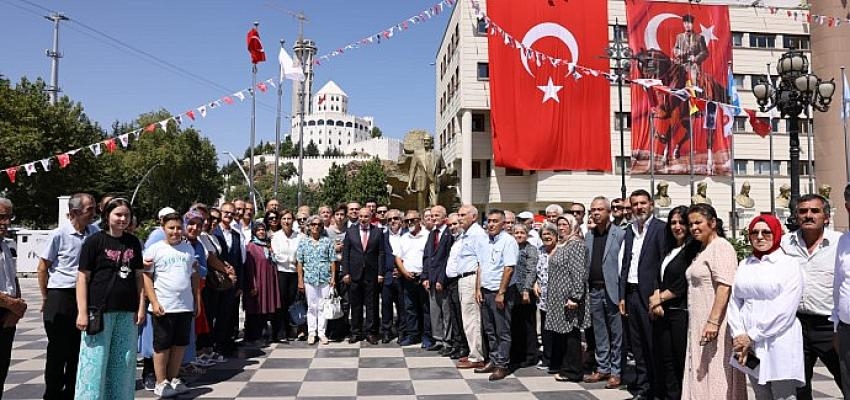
[{"x": 496, "y": 294}]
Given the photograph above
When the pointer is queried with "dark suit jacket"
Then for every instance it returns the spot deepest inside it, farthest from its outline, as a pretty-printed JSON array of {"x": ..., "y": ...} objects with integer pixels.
[
  {"x": 360, "y": 264},
  {"x": 232, "y": 254},
  {"x": 610, "y": 260},
  {"x": 434, "y": 260},
  {"x": 649, "y": 263},
  {"x": 674, "y": 276}
]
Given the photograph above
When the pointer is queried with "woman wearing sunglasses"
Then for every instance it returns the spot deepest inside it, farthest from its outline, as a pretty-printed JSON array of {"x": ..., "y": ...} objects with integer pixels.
[{"x": 762, "y": 313}]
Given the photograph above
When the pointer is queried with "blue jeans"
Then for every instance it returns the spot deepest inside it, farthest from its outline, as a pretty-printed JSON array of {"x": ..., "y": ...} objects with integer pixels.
[
  {"x": 607, "y": 330},
  {"x": 417, "y": 321}
]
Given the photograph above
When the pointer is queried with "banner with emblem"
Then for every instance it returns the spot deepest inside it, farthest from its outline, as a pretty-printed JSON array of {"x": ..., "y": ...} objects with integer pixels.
[
  {"x": 684, "y": 46},
  {"x": 544, "y": 114}
]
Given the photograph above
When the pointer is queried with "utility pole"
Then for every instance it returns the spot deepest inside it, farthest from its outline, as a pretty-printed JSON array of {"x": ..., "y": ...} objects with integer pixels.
[{"x": 55, "y": 55}]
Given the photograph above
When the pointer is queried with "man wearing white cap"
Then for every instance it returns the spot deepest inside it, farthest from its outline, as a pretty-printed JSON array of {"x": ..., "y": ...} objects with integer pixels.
[{"x": 527, "y": 218}]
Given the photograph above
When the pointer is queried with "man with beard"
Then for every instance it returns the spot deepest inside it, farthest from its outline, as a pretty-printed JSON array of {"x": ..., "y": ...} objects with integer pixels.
[
  {"x": 814, "y": 247},
  {"x": 643, "y": 251}
]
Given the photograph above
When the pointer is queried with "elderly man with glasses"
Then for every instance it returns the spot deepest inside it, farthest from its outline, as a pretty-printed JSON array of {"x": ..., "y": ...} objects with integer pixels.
[
  {"x": 391, "y": 292},
  {"x": 408, "y": 259}
]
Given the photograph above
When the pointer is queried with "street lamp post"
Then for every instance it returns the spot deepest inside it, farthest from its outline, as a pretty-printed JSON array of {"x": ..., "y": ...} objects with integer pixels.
[
  {"x": 797, "y": 90},
  {"x": 253, "y": 193},
  {"x": 621, "y": 54}
]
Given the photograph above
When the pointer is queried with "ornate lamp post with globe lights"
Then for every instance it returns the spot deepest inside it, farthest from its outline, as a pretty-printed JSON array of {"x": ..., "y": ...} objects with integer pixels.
[
  {"x": 797, "y": 90},
  {"x": 622, "y": 55}
]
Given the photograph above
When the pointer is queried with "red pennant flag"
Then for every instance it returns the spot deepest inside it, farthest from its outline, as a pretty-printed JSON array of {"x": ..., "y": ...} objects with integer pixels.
[
  {"x": 760, "y": 127},
  {"x": 542, "y": 117},
  {"x": 190, "y": 114},
  {"x": 110, "y": 145},
  {"x": 150, "y": 128},
  {"x": 64, "y": 160},
  {"x": 227, "y": 100},
  {"x": 255, "y": 47},
  {"x": 262, "y": 87},
  {"x": 12, "y": 172}
]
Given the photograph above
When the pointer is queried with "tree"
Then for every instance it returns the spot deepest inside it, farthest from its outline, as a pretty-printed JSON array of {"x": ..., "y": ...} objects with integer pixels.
[
  {"x": 334, "y": 188},
  {"x": 376, "y": 132},
  {"x": 332, "y": 151},
  {"x": 370, "y": 182},
  {"x": 287, "y": 149},
  {"x": 31, "y": 127},
  {"x": 311, "y": 150}
]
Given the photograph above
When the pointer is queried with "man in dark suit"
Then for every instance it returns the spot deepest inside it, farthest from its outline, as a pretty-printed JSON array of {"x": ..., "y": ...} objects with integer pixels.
[
  {"x": 222, "y": 306},
  {"x": 643, "y": 251},
  {"x": 362, "y": 269},
  {"x": 603, "y": 264},
  {"x": 435, "y": 257}
]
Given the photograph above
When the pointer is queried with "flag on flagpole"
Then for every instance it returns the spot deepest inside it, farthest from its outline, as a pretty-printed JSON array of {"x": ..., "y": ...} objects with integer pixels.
[
  {"x": 845, "y": 109},
  {"x": 732, "y": 90},
  {"x": 255, "y": 47},
  {"x": 289, "y": 68}
]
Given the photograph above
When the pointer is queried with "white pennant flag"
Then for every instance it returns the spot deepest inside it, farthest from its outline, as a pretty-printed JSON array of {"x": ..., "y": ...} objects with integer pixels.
[
  {"x": 45, "y": 163},
  {"x": 240, "y": 95},
  {"x": 163, "y": 125},
  {"x": 203, "y": 111},
  {"x": 30, "y": 168},
  {"x": 271, "y": 82},
  {"x": 137, "y": 133},
  {"x": 289, "y": 68},
  {"x": 125, "y": 139},
  {"x": 95, "y": 149}
]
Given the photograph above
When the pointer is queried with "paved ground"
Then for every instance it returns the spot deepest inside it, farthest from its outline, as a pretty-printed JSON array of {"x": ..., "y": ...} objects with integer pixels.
[{"x": 338, "y": 370}]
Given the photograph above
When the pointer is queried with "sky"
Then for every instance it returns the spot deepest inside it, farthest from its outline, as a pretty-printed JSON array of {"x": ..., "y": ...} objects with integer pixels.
[{"x": 392, "y": 81}]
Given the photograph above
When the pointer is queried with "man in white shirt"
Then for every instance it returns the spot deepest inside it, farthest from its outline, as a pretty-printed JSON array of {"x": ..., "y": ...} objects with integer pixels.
[
  {"x": 461, "y": 346},
  {"x": 841, "y": 298},
  {"x": 391, "y": 293},
  {"x": 527, "y": 218},
  {"x": 473, "y": 253},
  {"x": 409, "y": 263},
  {"x": 12, "y": 306},
  {"x": 814, "y": 247}
]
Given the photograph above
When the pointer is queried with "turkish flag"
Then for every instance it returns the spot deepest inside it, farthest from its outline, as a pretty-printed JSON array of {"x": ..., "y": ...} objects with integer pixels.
[
  {"x": 544, "y": 115},
  {"x": 255, "y": 47},
  {"x": 688, "y": 48}
]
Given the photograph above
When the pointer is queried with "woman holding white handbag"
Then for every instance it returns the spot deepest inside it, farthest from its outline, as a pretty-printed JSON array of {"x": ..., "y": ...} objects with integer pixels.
[{"x": 316, "y": 270}]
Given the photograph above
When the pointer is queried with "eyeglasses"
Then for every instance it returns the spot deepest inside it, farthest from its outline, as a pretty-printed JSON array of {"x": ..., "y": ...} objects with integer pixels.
[
  {"x": 7, "y": 217},
  {"x": 314, "y": 224},
  {"x": 618, "y": 207},
  {"x": 576, "y": 212},
  {"x": 226, "y": 212},
  {"x": 763, "y": 232},
  {"x": 454, "y": 224},
  {"x": 411, "y": 220},
  {"x": 302, "y": 219},
  {"x": 394, "y": 218},
  {"x": 381, "y": 211}
]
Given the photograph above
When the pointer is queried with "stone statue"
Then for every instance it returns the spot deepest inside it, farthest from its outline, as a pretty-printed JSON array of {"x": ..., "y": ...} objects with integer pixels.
[
  {"x": 426, "y": 167},
  {"x": 825, "y": 190},
  {"x": 784, "y": 197},
  {"x": 662, "y": 199},
  {"x": 743, "y": 198},
  {"x": 701, "y": 196}
]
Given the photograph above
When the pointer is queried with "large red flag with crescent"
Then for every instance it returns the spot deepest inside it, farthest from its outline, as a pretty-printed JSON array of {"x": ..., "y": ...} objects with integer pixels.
[
  {"x": 545, "y": 115},
  {"x": 687, "y": 47},
  {"x": 255, "y": 47}
]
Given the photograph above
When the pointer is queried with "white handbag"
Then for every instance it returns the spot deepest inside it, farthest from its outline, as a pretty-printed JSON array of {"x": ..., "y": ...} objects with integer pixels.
[{"x": 331, "y": 306}]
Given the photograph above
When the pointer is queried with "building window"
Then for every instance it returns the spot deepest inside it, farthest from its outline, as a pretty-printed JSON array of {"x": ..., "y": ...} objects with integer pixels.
[
  {"x": 618, "y": 164},
  {"x": 737, "y": 39},
  {"x": 804, "y": 128},
  {"x": 804, "y": 167},
  {"x": 483, "y": 71},
  {"x": 478, "y": 123},
  {"x": 620, "y": 32},
  {"x": 740, "y": 124},
  {"x": 741, "y": 167},
  {"x": 739, "y": 81},
  {"x": 794, "y": 42},
  {"x": 763, "y": 167},
  {"x": 513, "y": 172},
  {"x": 626, "y": 118},
  {"x": 476, "y": 170},
  {"x": 774, "y": 123},
  {"x": 762, "y": 41},
  {"x": 481, "y": 27}
]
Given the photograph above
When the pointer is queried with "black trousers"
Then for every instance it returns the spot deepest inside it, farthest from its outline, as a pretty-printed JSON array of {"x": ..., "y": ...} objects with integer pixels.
[
  {"x": 288, "y": 285},
  {"x": 548, "y": 340},
  {"x": 458, "y": 336},
  {"x": 7, "y": 336},
  {"x": 640, "y": 334},
  {"x": 338, "y": 329},
  {"x": 567, "y": 349},
  {"x": 63, "y": 343},
  {"x": 220, "y": 309},
  {"x": 817, "y": 344},
  {"x": 392, "y": 301},
  {"x": 524, "y": 345},
  {"x": 363, "y": 294},
  {"x": 670, "y": 335}
]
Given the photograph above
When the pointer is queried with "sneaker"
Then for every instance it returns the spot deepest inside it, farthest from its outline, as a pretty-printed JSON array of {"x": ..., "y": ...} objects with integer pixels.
[
  {"x": 324, "y": 340},
  {"x": 149, "y": 382},
  {"x": 541, "y": 366},
  {"x": 203, "y": 362},
  {"x": 216, "y": 358},
  {"x": 311, "y": 340},
  {"x": 179, "y": 386},
  {"x": 163, "y": 390}
]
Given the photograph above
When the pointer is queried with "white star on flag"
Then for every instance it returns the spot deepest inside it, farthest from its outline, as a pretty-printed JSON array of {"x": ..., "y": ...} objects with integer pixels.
[
  {"x": 550, "y": 91},
  {"x": 707, "y": 33}
]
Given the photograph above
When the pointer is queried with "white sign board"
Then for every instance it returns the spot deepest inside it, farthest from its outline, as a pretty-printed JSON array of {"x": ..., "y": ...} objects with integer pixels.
[{"x": 29, "y": 245}]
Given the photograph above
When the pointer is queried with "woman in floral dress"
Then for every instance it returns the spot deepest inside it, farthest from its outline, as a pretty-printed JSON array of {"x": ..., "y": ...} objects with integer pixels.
[{"x": 316, "y": 269}]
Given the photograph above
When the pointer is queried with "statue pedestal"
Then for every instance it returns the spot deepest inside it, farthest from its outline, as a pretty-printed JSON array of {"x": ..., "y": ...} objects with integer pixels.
[
  {"x": 744, "y": 215},
  {"x": 783, "y": 213},
  {"x": 662, "y": 212}
]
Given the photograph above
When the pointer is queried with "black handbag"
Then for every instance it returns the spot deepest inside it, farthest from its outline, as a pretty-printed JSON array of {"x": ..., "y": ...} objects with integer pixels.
[{"x": 95, "y": 324}]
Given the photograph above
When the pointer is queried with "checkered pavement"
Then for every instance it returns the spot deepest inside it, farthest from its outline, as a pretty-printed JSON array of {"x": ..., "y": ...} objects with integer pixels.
[{"x": 337, "y": 370}]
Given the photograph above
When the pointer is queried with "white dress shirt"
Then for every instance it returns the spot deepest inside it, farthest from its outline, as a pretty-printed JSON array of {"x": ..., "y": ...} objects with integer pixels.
[
  {"x": 818, "y": 270},
  {"x": 451, "y": 264},
  {"x": 763, "y": 305},
  {"x": 637, "y": 246},
  {"x": 412, "y": 249},
  {"x": 841, "y": 284}
]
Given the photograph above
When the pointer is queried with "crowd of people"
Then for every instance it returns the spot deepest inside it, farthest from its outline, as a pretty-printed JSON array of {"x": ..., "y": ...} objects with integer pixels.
[{"x": 610, "y": 287}]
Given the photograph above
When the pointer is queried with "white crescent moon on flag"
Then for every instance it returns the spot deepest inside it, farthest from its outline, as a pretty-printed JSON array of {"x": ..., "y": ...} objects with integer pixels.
[
  {"x": 548, "y": 29},
  {"x": 650, "y": 35}
]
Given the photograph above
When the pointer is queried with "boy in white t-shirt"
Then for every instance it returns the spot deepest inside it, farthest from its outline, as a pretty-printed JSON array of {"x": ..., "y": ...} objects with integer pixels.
[{"x": 171, "y": 286}]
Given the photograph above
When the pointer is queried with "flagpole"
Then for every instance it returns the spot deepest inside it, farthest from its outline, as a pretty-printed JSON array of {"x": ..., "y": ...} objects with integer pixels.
[
  {"x": 811, "y": 123},
  {"x": 844, "y": 122},
  {"x": 253, "y": 128},
  {"x": 690, "y": 149},
  {"x": 734, "y": 217},
  {"x": 770, "y": 125},
  {"x": 652, "y": 153},
  {"x": 277, "y": 129}
]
